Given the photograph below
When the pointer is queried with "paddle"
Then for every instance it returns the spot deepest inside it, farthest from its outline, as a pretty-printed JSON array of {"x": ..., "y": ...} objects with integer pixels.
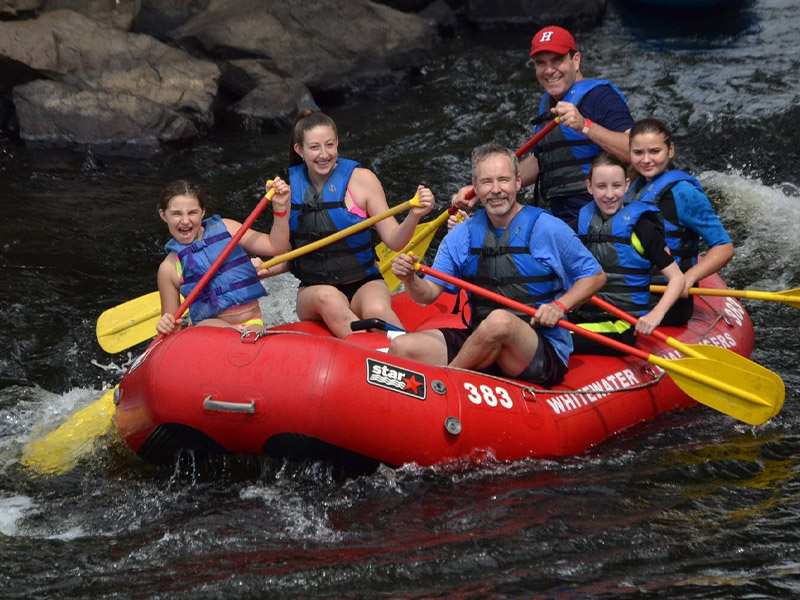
[
  {"x": 419, "y": 243},
  {"x": 790, "y": 297},
  {"x": 59, "y": 450},
  {"x": 698, "y": 350},
  {"x": 133, "y": 322},
  {"x": 726, "y": 388},
  {"x": 62, "y": 448},
  {"x": 129, "y": 323},
  {"x": 534, "y": 139},
  {"x": 335, "y": 237}
]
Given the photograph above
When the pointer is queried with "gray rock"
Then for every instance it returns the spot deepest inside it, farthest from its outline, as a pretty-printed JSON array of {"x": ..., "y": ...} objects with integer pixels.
[
  {"x": 441, "y": 12},
  {"x": 268, "y": 101},
  {"x": 65, "y": 46},
  {"x": 406, "y": 5},
  {"x": 324, "y": 44},
  {"x": 159, "y": 17},
  {"x": 270, "y": 107},
  {"x": 117, "y": 13},
  {"x": 124, "y": 92},
  {"x": 55, "y": 114}
]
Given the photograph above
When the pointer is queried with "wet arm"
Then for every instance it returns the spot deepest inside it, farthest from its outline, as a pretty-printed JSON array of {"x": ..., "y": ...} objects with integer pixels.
[
  {"x": 675, "y": 284},
  {"x": 613, "y": 142},
  {"x": 169, "y": 293},
  {"x": 716, "y": 258},
  {"x": 421, "y": 291},
  {"x": 529, "y": 170},
  {"x": 580, "y": 292}
]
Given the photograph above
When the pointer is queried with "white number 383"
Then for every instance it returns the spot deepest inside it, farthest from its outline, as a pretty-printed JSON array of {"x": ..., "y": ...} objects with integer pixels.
[{"x": 486, "y": 395}]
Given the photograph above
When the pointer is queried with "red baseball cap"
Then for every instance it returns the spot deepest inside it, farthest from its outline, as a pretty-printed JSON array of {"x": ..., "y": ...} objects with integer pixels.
[{"x": 553, "y": 39}]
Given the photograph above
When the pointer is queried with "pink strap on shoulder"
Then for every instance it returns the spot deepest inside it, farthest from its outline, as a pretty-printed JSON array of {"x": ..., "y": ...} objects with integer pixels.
[{"x": 355, "y": 209}]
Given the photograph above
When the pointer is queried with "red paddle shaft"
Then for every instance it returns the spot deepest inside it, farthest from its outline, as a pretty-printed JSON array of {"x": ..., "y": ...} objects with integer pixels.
[
  {"x": 535, "y": 139},
  {"x": 470, "y": 287}
]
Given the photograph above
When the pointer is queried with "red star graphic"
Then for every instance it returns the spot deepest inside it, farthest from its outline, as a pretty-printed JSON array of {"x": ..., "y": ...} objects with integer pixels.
[{"x": 411, "y": 382}]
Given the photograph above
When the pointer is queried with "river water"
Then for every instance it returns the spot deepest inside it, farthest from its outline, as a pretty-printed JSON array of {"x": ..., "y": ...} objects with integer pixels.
[{"x": 694, "y": 505}]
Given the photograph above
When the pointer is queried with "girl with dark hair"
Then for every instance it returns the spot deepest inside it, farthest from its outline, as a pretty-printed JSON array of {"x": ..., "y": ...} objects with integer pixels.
[
  {"x": 231, "y": 297},
  {"x": 687, "y": 212},
  {"x": 340, "y": 283}
]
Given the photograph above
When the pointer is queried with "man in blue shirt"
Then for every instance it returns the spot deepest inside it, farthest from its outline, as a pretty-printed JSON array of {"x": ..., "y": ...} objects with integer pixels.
[
  {"x": 593, "y": 114},
  {"x": 521, "y": 252}
]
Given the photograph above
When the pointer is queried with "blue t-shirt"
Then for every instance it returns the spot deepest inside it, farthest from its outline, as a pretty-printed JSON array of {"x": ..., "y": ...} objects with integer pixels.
[
  {"x": 552, "y": 242},
  {"x": 604, "y": 106},
  {"x": 696, "y": 213}
]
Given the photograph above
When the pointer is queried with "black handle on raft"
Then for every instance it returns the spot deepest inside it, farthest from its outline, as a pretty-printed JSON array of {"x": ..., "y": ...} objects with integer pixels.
[{"x": 373, "y": 323}]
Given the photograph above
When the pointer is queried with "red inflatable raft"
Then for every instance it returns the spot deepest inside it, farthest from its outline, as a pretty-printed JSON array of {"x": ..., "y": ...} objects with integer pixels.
[{"x": 298, "y": 392}]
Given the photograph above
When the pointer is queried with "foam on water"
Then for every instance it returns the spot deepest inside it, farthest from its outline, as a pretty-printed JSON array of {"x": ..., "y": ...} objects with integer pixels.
[
  {"x": 297, "y": 517},
  {"x": 762, "y": 221},
  {"x": 12, "y": 509},
  {"x": 279, "y": 306}
]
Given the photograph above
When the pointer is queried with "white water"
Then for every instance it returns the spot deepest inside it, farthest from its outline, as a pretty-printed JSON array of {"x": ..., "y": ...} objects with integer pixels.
[{"x": 766, "y": 222}]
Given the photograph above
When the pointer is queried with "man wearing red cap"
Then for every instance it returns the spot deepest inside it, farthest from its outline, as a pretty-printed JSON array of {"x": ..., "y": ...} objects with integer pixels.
[{"x": 594, "y": 116}]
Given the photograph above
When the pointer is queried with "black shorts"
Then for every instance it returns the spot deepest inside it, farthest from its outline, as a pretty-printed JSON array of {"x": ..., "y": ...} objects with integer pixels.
[
  {"x": 348, "y": 289},
  {"x": 545, "y": 368},
  {"x": 584, "y": 345},
  {"x": 679, "y": 313}
]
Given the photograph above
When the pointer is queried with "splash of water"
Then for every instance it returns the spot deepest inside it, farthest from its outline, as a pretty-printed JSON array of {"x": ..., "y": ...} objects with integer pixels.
[{"x": 762, "y": 221}]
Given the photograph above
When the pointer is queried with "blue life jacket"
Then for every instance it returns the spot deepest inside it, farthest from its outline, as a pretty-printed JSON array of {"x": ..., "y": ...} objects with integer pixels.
[
  {"x": 683, "y": 243},
  {"x": 627, "y": 272},
  {"x": 313, "y": 217},
  {"x": 235, "y": 282},
  {"x": 505, "y": 266},
  {"x": 565, "y": 155}
]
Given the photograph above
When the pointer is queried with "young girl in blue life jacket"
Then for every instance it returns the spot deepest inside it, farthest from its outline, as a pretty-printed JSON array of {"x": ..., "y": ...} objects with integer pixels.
[
  {"x": 341, "y": 282},
  {"x": 687, "y": 212},
  {"x": 230, "y": 298},
  {"x": 628, "y": 241}
]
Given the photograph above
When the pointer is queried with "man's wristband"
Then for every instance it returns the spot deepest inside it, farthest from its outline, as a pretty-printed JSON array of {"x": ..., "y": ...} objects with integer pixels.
[
  {"x": 587, "y": 127},
  {"x": 282, "y": 213},
  {"x": 560, "y": 305}
]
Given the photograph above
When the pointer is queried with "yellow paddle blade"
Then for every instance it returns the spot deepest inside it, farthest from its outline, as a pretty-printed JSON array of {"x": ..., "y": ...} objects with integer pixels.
[
  {"x": 790, "y": 297},
  {"x": 129, "y": 323},
  {"x": 419, "y": 244},
  {"x": 731, "y": 390},
  {"x": 61, "y": 449},
  {"x": 728, "y": 356},
  {"x": 385, "y": 265}
]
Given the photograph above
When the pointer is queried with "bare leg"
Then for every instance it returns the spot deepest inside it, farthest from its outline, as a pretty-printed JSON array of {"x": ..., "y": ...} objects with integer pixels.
[
  {"x": 502, "y": 338},
  {"x": 234, "y": 320},
  {"x": 427, "y": 347},
  {"x": 373, "y": 300},
  {"x": 326, "y": 303}
]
